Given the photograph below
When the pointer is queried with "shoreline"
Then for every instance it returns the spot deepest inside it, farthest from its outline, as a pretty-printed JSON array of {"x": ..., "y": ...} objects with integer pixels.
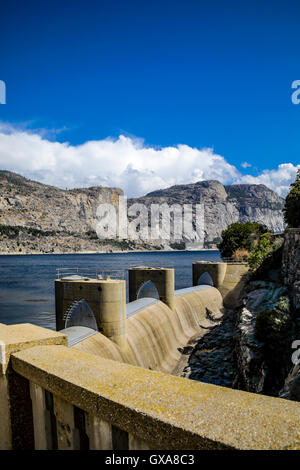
[{"x": 109, "y": 253}]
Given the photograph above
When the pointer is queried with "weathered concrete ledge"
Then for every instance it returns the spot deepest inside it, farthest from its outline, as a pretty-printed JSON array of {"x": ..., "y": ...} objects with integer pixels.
[
  {"x": 22, "y": 336},
  {"x": 15, "y": 407},
  {"x": 164, "y": 411}
]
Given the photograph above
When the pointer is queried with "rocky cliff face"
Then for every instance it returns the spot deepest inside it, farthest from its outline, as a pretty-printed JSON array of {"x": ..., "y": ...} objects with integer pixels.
[
  {"x": 257, "y": 203},
  {"x": 36, "y": 218},
  {"x": 31, "y": 204},
  {"x": 56, "y": 220},
  {"x": 223, "y": 205},
  {"x": 262, "y": 365}
]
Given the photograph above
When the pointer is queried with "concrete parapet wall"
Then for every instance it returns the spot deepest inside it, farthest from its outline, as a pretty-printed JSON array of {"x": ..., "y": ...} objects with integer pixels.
[
  {"x": 149, "y": 410},
  {"x": 15, "y": 406},
  {"x": 155, "y": 333}
]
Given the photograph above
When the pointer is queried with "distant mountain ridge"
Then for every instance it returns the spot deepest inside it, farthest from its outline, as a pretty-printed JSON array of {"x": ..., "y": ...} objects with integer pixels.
[
  {"x": 224, "y": 204},
  {"x": 29, "y": 203},
  {"x": 49, "y": 219}
]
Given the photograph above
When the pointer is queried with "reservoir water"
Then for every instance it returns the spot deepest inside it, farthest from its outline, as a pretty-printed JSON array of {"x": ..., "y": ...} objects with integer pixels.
[{"x": 27, "y": 281}]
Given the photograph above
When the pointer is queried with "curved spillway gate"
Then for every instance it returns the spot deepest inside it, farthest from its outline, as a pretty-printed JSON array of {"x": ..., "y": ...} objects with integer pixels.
[
  {"x": 80, "y": 322},
  {"x": 148, "y": 289},
  {"x": 205, "y": 279},
  {"x": 81, "y": 314}
]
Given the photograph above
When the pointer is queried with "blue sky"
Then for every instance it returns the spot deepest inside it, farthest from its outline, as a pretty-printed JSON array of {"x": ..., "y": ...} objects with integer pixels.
[{"x": 196, "y": 74}]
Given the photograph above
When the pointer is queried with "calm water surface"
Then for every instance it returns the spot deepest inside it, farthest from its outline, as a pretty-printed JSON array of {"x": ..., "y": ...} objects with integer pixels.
[{"x": 27, "y": 281}]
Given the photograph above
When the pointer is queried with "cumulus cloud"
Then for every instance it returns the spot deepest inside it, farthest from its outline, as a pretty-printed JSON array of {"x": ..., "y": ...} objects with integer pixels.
[
  {"x": 246, "y": 165},
  {"x": 278, "y": 179},
  {"x": 125, "y": 162}
]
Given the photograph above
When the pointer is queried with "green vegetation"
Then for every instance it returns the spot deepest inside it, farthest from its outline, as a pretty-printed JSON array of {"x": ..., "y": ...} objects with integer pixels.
[
  {"x": 13, "y": 231},
  {"x": 177, "y": 245},
  {"x": 260, "y": 251},
  {"x": 292, "y": 204},
  {"x": 250, "y": 242},
  {"x": 91, "y": 234},
  {"x": 270, "y": 324},
  {"x": 120, "y": 244},
  {"x": 240, "y": 235},
  {"x": 270, "y": 268},
  {"x": 273, "y": 329},
  {"x": 12, "y": 178}
]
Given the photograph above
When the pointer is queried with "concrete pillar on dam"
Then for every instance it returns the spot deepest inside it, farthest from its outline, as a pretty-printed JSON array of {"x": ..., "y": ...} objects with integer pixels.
[
  {"x": 229, "y": 278},
  {"x": 162, "y": 278},
  {"x": 233, "y": 284},
  {"x": 106, "y": 298},
  {"x": 216, "y": 271}
]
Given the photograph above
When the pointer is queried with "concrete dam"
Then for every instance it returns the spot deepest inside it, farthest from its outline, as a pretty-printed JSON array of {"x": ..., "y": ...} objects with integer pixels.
[
  {"x": 155, "y": 333},
  {"x": 147, "y": 332},
  {"x": 107, "y": 379}
]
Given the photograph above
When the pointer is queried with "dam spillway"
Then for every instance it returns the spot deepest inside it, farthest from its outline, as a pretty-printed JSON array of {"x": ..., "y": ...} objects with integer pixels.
[
  {"x": 147, "y": 332},
  {"x": 155, "y": 333}
]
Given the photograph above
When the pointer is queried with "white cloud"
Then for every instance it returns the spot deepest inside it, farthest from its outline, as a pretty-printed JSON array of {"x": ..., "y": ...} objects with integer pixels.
[
  {"x": 246, "y": 165},
  {"x": 278, "y": 179},
  {"x": 125, "y": 162}
]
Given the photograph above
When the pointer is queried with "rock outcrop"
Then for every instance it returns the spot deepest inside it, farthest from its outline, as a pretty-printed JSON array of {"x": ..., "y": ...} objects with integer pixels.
[
  {"x": 52, "y": 220},
  {"x": 262, "y": 363},
  {"x": 211, "y": 359},
  {"x": 30, "y": 204},
  {"x": 223, "y": 205},
  {"x": 291, "y": 264},
  {"x": 291, "y": 389},
  {"x": 37, "y": 218}
]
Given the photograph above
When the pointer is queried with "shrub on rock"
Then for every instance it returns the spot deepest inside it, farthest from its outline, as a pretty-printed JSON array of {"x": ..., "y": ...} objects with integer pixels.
[
  {"x": 240, "y": 236},
  {"x": 292, "y": 205}
]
